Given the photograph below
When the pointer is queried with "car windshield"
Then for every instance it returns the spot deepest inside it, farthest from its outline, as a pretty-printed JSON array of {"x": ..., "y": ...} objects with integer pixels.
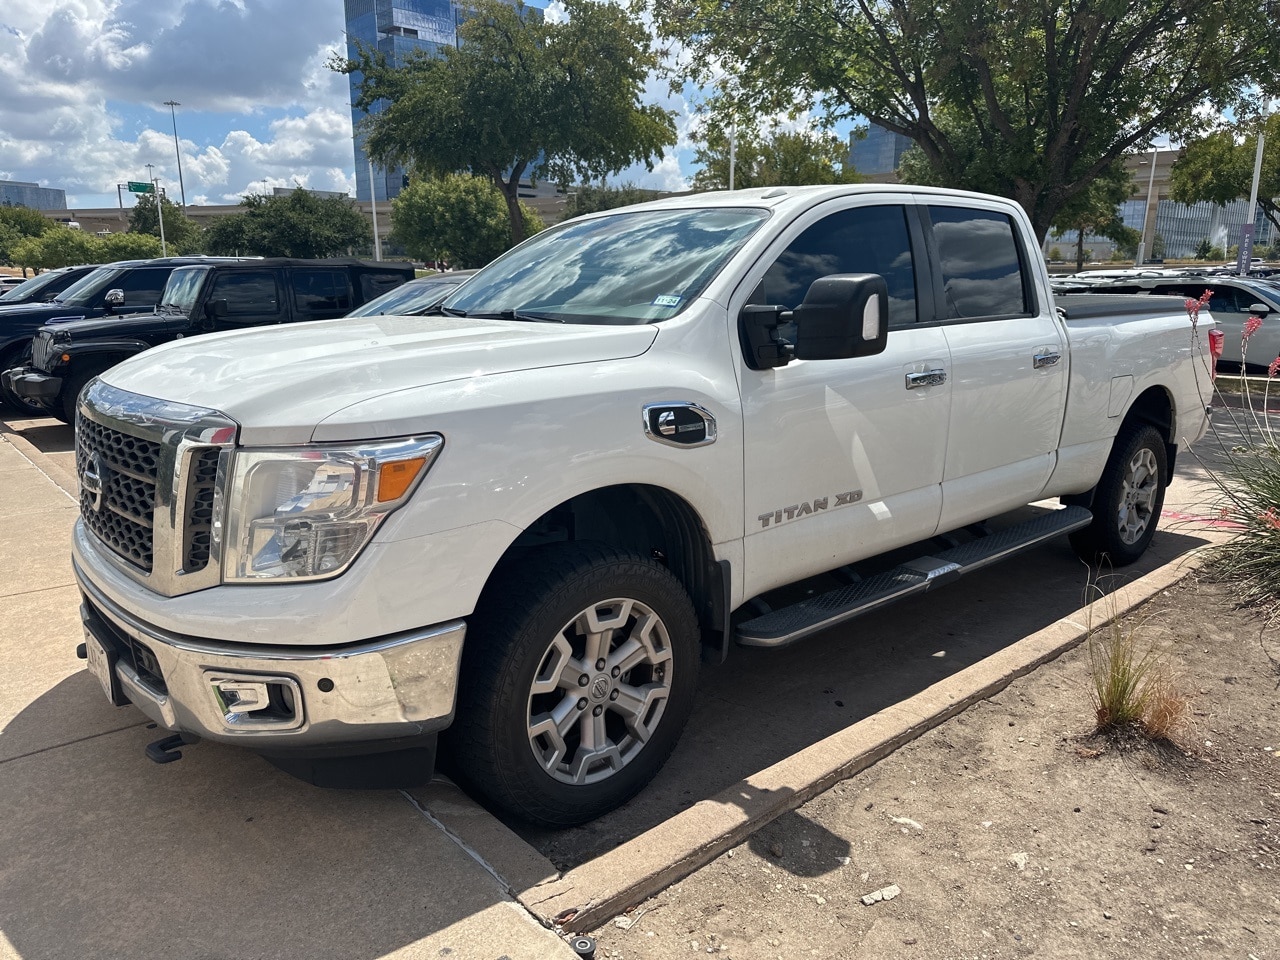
[
  {"x": 30, "y": 289},
  {"x": 80, "y": 293},
  {"x": 180, "y": 292},
  {"x": 410, "y": 298},
  {"x": 624, "y": 268}
]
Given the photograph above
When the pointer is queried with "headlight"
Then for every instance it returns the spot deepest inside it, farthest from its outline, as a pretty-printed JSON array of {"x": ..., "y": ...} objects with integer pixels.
[{"x": 304, "y": 513}]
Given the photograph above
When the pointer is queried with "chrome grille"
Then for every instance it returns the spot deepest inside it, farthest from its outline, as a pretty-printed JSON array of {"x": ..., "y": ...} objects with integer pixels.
[
  {"x": 151, "y": 477},
  {"x": 119, "y": 507},
  {"x": 42, "y": 352},
  {"x": 199, "y": 520}
]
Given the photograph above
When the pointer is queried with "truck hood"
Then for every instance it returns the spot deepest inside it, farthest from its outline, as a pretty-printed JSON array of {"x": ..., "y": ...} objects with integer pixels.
[
  {"x": 278, "y": 383},
  {"x": 127, "y": 325}
]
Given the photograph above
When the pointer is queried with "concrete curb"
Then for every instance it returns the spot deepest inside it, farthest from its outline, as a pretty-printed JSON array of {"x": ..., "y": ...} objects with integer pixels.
[{"x": 589, "y": 895}]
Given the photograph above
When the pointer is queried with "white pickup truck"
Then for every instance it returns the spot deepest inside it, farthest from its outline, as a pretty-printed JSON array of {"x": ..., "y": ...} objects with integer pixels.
[{"x": 524, "y": 521}]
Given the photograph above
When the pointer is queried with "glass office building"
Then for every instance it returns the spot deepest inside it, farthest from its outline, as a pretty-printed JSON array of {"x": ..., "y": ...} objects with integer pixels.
[
  {"x": 397, "y": 28},
  {"x": 19, "y": 193},
  {"x": 878, "y": 152}
]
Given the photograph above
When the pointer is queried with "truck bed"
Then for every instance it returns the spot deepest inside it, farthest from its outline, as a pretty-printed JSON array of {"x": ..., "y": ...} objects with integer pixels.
[{"x": 1096, "y": 306}]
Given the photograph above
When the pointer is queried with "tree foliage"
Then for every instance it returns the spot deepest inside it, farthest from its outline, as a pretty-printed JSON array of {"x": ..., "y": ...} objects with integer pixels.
[
  {"x": 783, "y": 158},
  {"x": 16, "y": 224},
  {"x": 518, "y": 96},
  {"x": 61, "y": 246},
  {"x": 298, "y": 224},
  {"x": 182, "y": 235},
  {"x": 1218, "y": 169},
  {"x": 592, "y": 199},
  {"x": 457, "y": 217},
  {"x": 1095, "y": 212},
  {"x": 1029, "y": 99}
]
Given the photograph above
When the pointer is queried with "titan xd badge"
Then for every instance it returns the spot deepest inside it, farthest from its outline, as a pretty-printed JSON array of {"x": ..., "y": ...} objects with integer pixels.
[{"x": 799, "y": 510}]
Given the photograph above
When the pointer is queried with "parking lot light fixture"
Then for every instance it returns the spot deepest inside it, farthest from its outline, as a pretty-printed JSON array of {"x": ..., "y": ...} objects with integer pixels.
[{"x": 177, "y": 149}]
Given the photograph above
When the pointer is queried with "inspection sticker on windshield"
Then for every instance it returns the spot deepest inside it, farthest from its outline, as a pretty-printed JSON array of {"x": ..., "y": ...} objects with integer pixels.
[{"x": 666, "y": 300}]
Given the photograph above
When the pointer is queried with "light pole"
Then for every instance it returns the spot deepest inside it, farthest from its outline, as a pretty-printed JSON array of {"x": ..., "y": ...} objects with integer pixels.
[
  {"x": 155, "y": 192},
  {"x": 177, "y": 151},
  {"x": 1146, "y": 211},
  {"x": 1246, "y": 241}
]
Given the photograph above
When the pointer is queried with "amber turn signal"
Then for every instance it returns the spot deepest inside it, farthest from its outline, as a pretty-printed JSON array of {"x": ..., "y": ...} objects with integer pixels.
[{"x": 395, "y": 478}]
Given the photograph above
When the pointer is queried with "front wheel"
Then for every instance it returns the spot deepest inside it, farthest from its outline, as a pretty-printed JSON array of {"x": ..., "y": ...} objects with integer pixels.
[
  {"x": 578, "y": 675},
  {"x": 1127, "y": 500},
  {"x": 18, "y": 357}
]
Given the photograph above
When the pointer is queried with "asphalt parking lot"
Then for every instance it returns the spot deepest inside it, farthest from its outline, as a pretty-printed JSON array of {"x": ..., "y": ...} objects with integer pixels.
[{"x": 222, "y": 855}]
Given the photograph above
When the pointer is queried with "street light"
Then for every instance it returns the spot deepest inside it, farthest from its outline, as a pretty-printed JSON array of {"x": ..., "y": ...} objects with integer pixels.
[
  {"x": 1146, "y": 211},
  {"x": 176, "y": 149},
  {"x": 155, "y": 192},
  {"x": 1246, "y": 240}
]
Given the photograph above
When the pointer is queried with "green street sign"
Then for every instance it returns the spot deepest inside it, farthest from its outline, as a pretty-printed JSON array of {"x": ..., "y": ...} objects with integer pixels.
[{"x": 136, "y": 187}]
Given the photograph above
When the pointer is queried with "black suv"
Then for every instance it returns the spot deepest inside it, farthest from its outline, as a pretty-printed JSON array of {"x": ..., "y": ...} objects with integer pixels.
[
  {"x": 44, "y": 286},
  {"x": 199, "y": 298},
  {"x": 112, "y": 290}
]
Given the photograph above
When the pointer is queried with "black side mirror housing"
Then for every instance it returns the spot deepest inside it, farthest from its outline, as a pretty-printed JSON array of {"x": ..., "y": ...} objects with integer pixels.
[
  {"x": 215, "y": 310},
  {"x": 844, "y": 315}
]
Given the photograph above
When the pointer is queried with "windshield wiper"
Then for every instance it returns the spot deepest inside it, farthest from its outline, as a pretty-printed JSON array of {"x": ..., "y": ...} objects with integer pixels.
[
  {"x": 517, "y": 315},
  {"x": 451, "y": 312}
]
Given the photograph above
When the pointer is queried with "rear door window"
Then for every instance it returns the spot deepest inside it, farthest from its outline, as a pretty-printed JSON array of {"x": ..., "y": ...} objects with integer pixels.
[
  {"x": 376, "y": 284},
  {"x": 142, "y": 287},
  {"x": 320, "y": 294},
  {"x": 981, "y": 266},
  {"x": 252, "y": 296}
]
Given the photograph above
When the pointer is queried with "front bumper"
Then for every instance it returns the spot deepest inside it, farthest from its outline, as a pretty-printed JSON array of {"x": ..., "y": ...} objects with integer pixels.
[
  {"x": 276, "y": 699},
  {"x": 33, "y": 385}
]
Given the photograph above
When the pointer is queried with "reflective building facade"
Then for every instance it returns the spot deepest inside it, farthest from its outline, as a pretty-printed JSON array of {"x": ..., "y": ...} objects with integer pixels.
[
  {"x": 878, "y": 152},
  {"x": 19, "y": 193}
]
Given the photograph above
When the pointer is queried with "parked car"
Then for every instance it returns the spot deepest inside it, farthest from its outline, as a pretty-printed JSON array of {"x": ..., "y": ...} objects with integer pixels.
[
  {"x": 198, "y": 298},
  {"x": 414, "y": 298},
  {"x": 527, "y": 520},
  {"x": 44, "y": 286},
  {"x": 111, "y": 290},
  {"x": 1234, "y": 300}
]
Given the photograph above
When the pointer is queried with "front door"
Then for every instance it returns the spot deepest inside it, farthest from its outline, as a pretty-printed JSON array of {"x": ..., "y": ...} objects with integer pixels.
[{"x": 843, "y": 458}]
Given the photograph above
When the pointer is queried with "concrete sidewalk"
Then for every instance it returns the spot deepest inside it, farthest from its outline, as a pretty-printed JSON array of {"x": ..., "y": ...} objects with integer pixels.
[{"x": 105, "y": 854}]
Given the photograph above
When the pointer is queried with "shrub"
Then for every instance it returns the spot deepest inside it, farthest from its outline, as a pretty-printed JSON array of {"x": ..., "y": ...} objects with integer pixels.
[{"x": 1134, "y": 690}]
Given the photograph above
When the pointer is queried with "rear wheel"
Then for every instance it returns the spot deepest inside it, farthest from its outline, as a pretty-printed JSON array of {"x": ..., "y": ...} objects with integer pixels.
[
  {"x": 1127, "y": 500},
  {"x": 579, "y": 672}
]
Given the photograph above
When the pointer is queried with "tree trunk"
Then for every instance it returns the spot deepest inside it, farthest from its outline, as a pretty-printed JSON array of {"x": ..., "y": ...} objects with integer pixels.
[
  {"x": 511, "y": 193},
  {"x": 1079, "y": 250}
]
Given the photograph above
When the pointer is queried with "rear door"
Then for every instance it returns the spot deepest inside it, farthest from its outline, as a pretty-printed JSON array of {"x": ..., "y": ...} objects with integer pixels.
[
  {"x": 843, "y": 458},
  {"x": 1009, "y": 361},
  {"x": 252, "y": 298}
]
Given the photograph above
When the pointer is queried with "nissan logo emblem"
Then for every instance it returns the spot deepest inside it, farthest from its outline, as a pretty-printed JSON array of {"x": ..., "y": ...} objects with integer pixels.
[{"x": 91, "y": 481}]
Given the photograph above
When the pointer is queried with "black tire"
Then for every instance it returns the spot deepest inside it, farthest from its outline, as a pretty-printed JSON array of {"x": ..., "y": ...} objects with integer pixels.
[
  {"x": 1127, "y": 500},
  {"x": 71, "y": 387},
  {"x": 18, "y": 357},
  {"x": 528, "y": 615}
]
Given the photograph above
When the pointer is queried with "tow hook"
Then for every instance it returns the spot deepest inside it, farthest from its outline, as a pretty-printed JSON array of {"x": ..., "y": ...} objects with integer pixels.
[{"x": 168, "y": 749}]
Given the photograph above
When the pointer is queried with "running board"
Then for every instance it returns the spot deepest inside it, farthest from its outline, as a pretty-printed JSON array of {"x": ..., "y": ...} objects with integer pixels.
[{"x": 814, "y": 614}]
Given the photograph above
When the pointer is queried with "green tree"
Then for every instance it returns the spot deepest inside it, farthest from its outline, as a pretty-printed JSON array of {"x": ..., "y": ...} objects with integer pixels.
[
  {"x": 1202, "y": 251},
  {"x": 781, "y": 159},
  {"x": 1095, "y": 212},
  {"x": 592, "y": 199},
  {"x": 17, "y": 223},
  {"x": 1216, "y": 168},
  {"x": 129, "y": 246},
  {"x": 1030, "y": 99},
  {"x": 1055, "y": 253},
  {"x": 518, "y": 96},
  {"x": 298, "y": 224},
  {"x": 59, "y": 246},
  {"x": 1157, "y": 247},
  {"x": 182, "y": 235},
  {"x": 457, "y": 217}
]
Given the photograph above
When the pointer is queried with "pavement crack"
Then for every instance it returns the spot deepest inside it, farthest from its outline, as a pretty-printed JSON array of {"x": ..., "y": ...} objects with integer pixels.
[
  {"x": 25, "y": 593},
  {"x": 67, "y": 743}
]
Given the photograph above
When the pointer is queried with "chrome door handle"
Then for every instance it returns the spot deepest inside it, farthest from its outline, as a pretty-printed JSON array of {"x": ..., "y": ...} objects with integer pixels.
[
  {"x": 926, "y": 378},
  {"x": 1045, "y": 360}
]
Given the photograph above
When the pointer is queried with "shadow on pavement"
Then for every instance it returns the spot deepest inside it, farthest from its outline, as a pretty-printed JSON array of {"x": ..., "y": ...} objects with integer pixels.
[{"x": 107, "y": 854}]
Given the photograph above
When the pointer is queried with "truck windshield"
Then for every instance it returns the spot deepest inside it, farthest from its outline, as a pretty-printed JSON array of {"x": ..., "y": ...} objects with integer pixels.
[
  {"x": 180, "y": 292},
  {"x": 626, "y": 268},
  {"x": 80, "y": 293}
]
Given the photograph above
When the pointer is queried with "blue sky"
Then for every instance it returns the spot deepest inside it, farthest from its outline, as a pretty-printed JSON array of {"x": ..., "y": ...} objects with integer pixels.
[{"x": 85, "y": 82}]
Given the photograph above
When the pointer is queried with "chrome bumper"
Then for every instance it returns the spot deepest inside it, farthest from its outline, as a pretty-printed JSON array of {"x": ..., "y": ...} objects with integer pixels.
[{"x": 275, "y": 699}]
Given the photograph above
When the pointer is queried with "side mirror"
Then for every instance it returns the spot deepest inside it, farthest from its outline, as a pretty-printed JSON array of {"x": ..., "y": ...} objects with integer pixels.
[
  {"x": 214, "y": 311},
  {"x": 1259, "y": 308},
  {"x": 114, "y": 298},
  {"x": 844, "y": 315}
]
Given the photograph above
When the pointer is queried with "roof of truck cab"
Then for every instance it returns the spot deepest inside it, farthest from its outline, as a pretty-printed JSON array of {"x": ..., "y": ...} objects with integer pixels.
[{"x": 786, "y": 197}]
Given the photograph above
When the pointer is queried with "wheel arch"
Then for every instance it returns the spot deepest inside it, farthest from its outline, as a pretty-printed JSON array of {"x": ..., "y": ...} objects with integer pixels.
[
  {"x": 654, "y": 522},
  {"x": 1155, "y": 406}
]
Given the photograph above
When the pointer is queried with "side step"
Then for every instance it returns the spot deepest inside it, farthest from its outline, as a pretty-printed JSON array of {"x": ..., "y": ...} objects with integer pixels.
[{"x": 814, "y": 614}]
